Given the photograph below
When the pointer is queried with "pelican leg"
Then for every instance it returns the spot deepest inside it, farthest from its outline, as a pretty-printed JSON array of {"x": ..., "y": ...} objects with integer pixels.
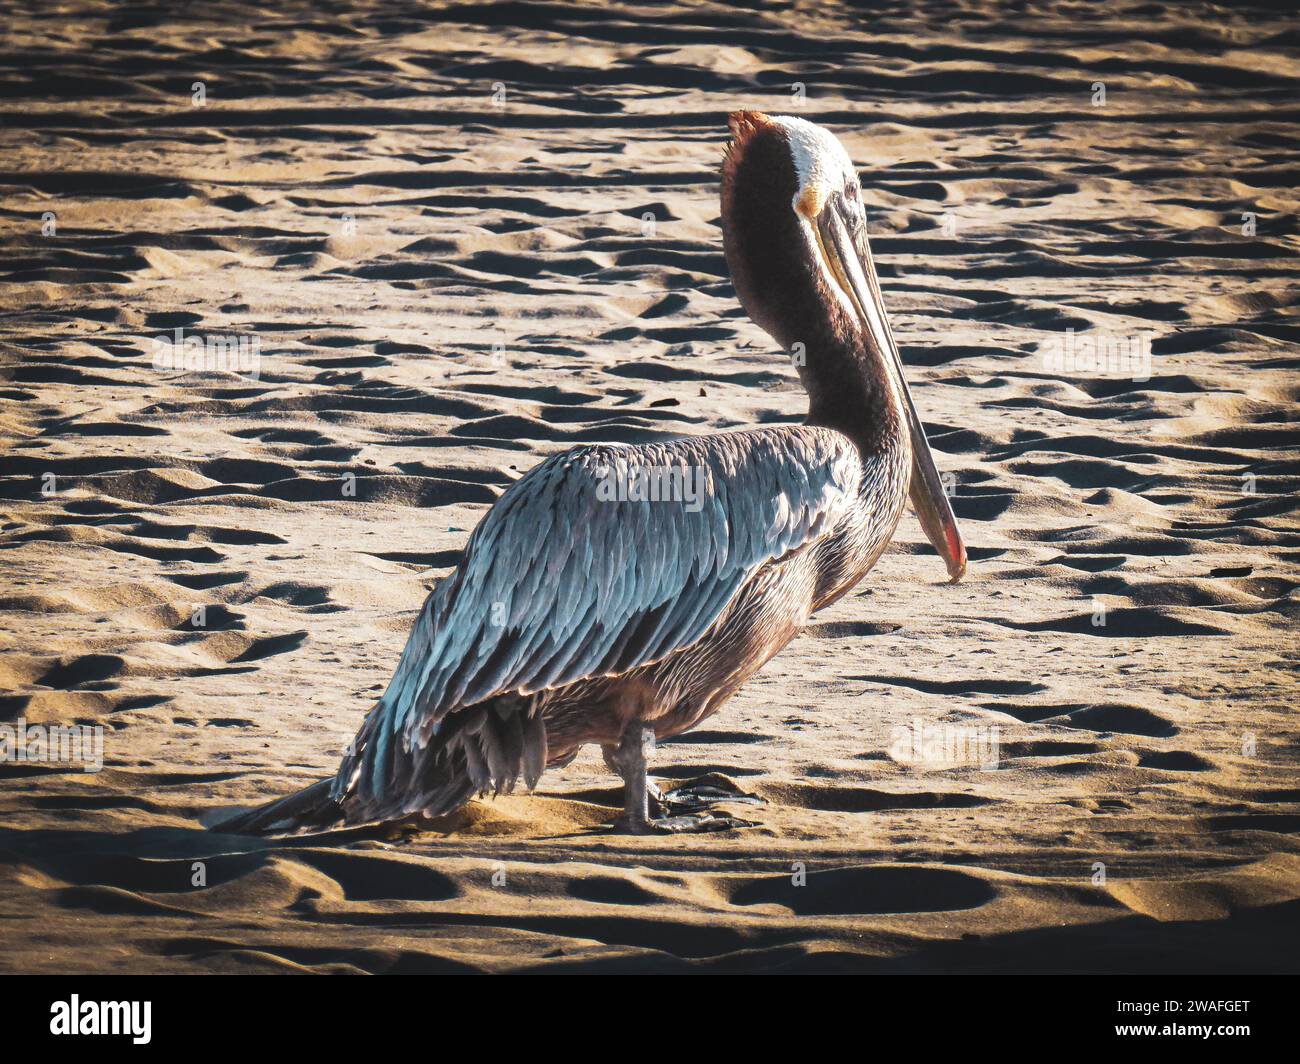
[
  {"x": 629, "y": 760},
  {"x": 655, "y": 801}
]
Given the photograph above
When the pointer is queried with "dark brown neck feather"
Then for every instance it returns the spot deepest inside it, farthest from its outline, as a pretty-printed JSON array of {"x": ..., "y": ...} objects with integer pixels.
[{"x": 786, "y": 292}]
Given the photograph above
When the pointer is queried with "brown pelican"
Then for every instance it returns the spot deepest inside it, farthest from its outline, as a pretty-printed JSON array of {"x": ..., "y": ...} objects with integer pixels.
[{"x": 621, "y": 594}]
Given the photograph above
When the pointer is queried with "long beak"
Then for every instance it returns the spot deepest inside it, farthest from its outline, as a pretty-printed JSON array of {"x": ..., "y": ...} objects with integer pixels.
[{"x": 852, "y": 267}]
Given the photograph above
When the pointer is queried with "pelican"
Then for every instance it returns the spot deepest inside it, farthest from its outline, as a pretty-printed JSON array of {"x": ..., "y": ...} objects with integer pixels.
[{"x": 619, "y": 595}]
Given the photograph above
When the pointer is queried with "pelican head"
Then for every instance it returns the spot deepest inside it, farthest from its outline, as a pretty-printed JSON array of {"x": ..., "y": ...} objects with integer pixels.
[{"x": 794, "y": 229}]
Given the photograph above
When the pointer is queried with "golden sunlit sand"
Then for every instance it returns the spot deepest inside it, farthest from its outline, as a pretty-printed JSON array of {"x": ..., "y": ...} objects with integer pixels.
[{"x": 447, "y": 282}]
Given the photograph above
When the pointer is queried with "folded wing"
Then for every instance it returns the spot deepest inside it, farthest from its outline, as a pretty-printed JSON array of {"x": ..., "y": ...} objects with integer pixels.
[{"x": 598, "y": 561}]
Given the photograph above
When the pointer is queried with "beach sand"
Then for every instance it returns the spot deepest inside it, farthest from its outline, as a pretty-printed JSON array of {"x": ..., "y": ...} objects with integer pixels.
[{"x": 465, "y": 240}]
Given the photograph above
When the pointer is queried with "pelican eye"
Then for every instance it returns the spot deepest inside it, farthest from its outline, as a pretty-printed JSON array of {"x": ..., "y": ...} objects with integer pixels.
[{"x": 852, "y": 211}]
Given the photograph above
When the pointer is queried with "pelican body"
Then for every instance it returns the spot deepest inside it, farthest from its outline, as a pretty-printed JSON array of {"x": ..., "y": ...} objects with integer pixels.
[{"x": 591, "y": 608}]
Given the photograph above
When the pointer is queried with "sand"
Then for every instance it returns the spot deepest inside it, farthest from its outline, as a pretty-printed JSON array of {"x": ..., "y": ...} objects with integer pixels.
[{"x": 465, "y": 241}]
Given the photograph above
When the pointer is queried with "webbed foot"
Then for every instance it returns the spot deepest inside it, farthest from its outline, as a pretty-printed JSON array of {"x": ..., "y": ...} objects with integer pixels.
[
  {"x": 709, "y": 790},
  {"x": 685, "y": 809},
  {"x": 690, "y": 823}
]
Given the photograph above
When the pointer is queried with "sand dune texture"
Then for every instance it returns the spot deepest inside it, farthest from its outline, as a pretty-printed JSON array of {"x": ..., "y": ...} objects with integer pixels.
[{"x": 465, "y": 238}]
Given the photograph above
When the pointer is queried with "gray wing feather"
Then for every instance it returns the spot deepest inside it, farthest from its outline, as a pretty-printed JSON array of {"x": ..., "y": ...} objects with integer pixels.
[{"x": 560, "y": 583}]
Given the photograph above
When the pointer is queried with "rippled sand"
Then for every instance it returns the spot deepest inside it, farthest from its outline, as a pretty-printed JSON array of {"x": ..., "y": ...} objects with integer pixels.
[{"x": 465, "y": 241}]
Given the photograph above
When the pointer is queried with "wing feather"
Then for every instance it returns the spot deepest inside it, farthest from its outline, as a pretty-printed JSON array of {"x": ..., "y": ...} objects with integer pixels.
[{"x": 560, "y": 582}]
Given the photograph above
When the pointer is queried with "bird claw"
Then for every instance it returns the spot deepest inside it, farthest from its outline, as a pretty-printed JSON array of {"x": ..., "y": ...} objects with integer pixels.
[
  {"x": 688, "y": 809},
  {"x": 695, "y": 823},
  {"x": 710, "y": 790},
  {"x": 626, "y": 825}
]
